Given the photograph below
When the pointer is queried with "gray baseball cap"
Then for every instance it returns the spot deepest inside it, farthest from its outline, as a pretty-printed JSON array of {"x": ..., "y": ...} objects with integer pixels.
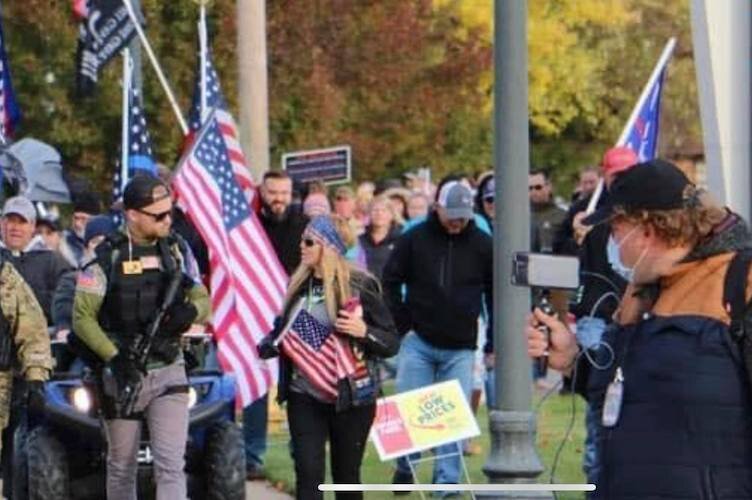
[
  {"x": 20, "y": 205},
  {"x": 457, "y": 200}
]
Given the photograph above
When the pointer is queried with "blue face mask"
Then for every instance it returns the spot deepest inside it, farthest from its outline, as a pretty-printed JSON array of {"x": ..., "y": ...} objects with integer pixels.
[{"x": 614, "y": 260}]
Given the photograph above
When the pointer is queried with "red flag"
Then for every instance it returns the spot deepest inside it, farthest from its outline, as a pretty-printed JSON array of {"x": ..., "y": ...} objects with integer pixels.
[{"x": 80, "y": 9}]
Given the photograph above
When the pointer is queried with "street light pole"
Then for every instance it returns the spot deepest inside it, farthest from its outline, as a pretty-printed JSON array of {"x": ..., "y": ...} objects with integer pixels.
[
  {"x": 513, "y": 457},
  {"x": 253, "y": 92}
]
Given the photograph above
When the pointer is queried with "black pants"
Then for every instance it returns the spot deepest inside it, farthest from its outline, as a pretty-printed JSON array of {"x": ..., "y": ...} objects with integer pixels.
[{"x": 311, "y": 424}]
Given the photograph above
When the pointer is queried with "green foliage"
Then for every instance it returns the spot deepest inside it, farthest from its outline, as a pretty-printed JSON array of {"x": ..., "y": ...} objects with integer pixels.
[
  {"x": 42, "y": 37},
  {"x": 406, "y": 83}
]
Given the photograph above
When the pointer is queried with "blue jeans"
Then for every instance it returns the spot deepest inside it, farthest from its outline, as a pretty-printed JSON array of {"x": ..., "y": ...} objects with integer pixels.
[
  {"x": 421, "y": 364},
  {"x": 255, "y": 419},
  {"x": 589, "y": 333},
  {"x": 490, "y": 388}
]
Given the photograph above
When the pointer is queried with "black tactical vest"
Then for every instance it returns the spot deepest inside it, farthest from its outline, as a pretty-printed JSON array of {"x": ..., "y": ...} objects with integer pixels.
[{"x": 133, "y": 298}]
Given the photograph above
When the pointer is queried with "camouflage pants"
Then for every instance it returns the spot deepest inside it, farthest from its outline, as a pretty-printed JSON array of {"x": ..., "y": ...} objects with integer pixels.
[{"x": 6, "y": 387}]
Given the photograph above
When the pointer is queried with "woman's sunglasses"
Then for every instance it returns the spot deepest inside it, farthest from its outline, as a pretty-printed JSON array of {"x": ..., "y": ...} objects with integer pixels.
[{"x": 309, "y": 242}]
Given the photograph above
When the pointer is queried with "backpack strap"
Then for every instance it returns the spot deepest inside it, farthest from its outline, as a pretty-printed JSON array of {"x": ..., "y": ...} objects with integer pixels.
[{"x": 735, "y": 292}]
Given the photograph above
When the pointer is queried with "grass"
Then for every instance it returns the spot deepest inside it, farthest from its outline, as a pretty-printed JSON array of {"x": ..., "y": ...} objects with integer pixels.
[{"x": 554, "y": 417}]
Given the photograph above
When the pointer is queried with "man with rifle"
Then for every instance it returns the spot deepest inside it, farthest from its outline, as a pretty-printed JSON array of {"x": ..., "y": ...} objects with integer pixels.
[{"x": 132, "y": 304}]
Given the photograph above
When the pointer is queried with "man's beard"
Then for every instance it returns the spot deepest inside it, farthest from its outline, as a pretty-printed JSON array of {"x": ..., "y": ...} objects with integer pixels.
[{"x": 277, "y": 216}]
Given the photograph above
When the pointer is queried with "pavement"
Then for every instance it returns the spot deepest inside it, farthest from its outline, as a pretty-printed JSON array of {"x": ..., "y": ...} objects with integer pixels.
[{"x": 262, "y": 490}]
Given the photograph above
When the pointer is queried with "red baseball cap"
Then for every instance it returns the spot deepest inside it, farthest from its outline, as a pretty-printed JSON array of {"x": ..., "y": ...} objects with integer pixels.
[{"x": 618, "y": 159}]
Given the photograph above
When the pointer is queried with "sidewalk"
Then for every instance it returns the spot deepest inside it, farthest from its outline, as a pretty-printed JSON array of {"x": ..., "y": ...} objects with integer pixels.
[{"x": 255, "y": 490}]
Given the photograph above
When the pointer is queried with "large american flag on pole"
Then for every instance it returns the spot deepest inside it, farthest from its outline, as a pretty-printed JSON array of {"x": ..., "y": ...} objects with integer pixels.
[
  {"x": 216, "y": 100},
  {"x": 247, "y": 281},
  {"x": 320, "y": 354}
]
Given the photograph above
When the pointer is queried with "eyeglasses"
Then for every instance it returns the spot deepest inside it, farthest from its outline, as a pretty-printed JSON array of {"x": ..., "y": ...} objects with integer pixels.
[
  {"x": 157, "y": 217},
  {"x": 536, "y": 187},
  {"x": 488, "y": 199},
  {"x": 309, "y": 242}
]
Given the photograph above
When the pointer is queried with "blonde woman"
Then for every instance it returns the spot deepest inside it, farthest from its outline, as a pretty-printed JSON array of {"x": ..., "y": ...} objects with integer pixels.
[
  {"x": 380, "y": 236},
  {"x": 333, "y": 328}
]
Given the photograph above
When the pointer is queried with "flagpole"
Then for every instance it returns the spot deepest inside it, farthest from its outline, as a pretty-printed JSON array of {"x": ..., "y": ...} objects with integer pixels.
[
  {"x": 124, "y": 151},
  {"x": 157, "y": 67},
  {"x": 657, "y": 70},
  {"x": 203, "y": 53}
]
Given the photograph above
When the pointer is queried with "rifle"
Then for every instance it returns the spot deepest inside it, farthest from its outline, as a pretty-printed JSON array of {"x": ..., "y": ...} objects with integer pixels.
[{"x": 125, "y": 397}]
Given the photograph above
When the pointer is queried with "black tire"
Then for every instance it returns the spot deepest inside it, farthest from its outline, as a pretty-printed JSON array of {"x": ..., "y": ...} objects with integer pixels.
[
  {"x": 48, "y": 466},
  {"x": 224, "y": 460},
  {"x": 19, "y": 472}
]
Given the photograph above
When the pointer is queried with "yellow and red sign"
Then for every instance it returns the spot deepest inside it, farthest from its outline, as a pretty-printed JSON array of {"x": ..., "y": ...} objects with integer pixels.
[{"x": 422, "y": 419}]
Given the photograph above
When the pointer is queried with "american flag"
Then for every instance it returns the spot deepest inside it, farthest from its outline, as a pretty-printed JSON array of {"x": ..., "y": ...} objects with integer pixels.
[
  {"x": 247, "y": 281},
  {"x": 320, "y": 354},
  {"x": 140, "y": 154},
  {"x": 10, "y": 113},
  {"x": 216, "y": 100}
]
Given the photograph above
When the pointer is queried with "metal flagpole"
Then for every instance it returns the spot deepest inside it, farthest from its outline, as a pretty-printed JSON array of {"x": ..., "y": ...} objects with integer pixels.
[
  {"x": 659, "y": 67},
  {"x": 203, "y": 43},
  {"x": 127, "y": 81},
  {"x": 157, "y": 67}
]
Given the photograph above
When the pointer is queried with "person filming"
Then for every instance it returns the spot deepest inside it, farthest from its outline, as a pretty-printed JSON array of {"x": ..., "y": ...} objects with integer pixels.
[{"x": 670, "y": 377}]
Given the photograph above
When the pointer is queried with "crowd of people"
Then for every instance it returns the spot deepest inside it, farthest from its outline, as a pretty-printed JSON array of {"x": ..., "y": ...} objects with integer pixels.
[{"x": 399, "y": 276}]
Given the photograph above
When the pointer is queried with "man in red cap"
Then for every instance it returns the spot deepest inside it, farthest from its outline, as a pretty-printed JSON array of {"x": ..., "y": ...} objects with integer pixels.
[{"x": 601, "y": 286}]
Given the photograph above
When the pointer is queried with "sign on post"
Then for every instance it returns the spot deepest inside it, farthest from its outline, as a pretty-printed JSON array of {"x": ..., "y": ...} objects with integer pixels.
[
  {"x": 331, "y": 165},
  {"x": 422, "y": 419}
]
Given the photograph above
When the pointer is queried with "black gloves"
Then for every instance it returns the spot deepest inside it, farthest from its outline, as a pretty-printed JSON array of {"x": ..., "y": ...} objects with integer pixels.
[
  {"x": 35, "y": 401},
  {"x": 124, "y": 370},
  {"x": 178, "y": 319},
  {"x": 266, "y": 348}
]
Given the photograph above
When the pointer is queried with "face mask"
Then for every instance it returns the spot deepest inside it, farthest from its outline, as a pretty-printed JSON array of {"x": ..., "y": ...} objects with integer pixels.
[
  {"x": 614, "y": 260},
  {"x": 614, "y": 257}
]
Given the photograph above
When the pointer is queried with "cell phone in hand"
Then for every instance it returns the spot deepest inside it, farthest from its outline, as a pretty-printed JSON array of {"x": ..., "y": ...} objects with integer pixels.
[{"x": 351, "y": 304}]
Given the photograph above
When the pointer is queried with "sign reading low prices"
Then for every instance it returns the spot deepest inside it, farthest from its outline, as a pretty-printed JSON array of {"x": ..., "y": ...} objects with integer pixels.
[
  {"x": 422, "y": 419},
  {"x": 330, "y": 165}
]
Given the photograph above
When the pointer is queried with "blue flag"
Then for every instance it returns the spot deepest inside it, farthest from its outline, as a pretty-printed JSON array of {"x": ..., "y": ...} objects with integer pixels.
[
  {"x": 10, "y": 113},
  {"x": 140, "y": 156},
  {"x": 642, "y": 137}
]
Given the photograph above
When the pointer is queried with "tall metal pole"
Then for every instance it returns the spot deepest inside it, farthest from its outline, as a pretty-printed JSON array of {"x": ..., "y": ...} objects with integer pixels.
[
  {"x": 253, "y": 94},
  {"x": 513, "y": 457},
  {"x": 203, "y": 51},
  {"x": 124, "y": 150},
  {"x": 722, "y": 43}
]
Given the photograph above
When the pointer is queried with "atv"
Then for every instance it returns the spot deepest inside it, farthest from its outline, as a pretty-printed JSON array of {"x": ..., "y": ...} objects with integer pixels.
[{"x": 62, "y": 455}]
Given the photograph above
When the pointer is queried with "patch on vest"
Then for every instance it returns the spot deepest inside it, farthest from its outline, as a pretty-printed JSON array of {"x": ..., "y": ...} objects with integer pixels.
[{"x": 89, "y": 281}]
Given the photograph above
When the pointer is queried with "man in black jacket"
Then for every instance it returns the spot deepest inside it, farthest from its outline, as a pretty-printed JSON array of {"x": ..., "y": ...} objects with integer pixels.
[
  {"x": 283, "y": 225},
  {"x": 446, "y": 265}
]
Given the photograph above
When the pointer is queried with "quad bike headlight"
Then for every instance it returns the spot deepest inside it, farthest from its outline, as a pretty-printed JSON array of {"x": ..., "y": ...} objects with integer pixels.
[
  {"x": 192, "y": 397},
  {"x": 81, "y": 399}
]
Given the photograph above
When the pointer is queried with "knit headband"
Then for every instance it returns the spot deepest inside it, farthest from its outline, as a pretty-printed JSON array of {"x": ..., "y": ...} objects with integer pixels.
[{"x": 322, "y": 230}]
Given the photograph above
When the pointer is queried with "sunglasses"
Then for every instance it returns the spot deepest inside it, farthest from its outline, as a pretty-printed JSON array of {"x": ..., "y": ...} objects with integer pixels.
[
  {"x": 536, "y": 187},
  {"x": 488, "y": 199},
  {"x": 157, "y": 217},
  {"x": 309, "y": 242}
]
